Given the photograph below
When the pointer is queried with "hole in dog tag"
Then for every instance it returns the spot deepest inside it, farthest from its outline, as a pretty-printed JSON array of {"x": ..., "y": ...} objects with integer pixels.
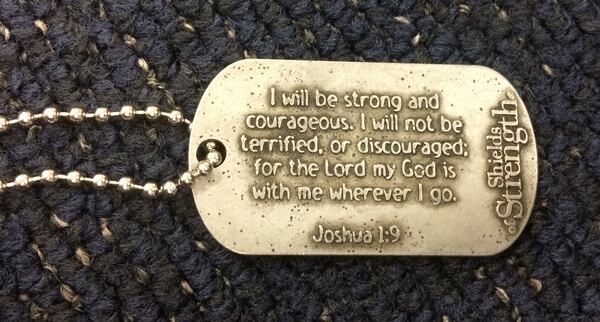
[{"x": 344, "y": 158}]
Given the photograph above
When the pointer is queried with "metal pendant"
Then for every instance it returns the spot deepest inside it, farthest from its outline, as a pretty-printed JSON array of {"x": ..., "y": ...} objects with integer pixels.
[{"x": 345, "y": 158}]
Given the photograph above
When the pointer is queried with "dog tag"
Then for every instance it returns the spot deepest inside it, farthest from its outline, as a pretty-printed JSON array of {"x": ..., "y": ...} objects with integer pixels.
[{"x": 348, "y": 158}]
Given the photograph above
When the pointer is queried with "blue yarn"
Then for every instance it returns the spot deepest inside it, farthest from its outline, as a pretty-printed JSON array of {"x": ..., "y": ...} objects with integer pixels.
[{"x": 78, "y": 254}]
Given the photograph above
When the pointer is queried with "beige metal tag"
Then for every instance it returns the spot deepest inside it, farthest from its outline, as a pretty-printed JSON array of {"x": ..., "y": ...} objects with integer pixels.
[{"x": 344, "y": 158}]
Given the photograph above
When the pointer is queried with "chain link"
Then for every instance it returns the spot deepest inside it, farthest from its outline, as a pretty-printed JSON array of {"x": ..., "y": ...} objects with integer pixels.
[{"x": 99, "y": 181}]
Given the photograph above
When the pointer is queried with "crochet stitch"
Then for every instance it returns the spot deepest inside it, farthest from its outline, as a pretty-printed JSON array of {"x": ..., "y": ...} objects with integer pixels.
[{"x": 74, "y": 253}]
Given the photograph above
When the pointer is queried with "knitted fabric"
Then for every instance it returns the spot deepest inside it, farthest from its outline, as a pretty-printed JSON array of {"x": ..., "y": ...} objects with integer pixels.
[{"x": 74, "y": 253}]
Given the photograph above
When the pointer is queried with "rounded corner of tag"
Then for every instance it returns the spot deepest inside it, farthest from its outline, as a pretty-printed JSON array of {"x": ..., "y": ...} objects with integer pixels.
[
  {"x": 505, "y": 241},
  {"x": 493, "y": 73},
  {"x": 227, "y": 243},
  {"x": 232, "y": 68},
  {"x": 501, "y": 247},
  {"x": 240, "y": 64}
]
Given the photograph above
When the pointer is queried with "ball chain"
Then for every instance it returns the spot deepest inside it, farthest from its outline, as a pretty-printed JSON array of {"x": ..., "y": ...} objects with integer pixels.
[{"x": 99, "y": 181}]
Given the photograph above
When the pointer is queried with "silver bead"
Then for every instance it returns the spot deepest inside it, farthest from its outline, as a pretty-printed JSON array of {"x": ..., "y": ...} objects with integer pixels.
[
  {"x": 22, "y": 181},
  {"x": 25, "y": 118},
  {"x": 204, "y": 167},
  {"x": 100, "y": 181},
  {"x": 48, "y": 176},
  {"x": 4, "y": 125},
  {"x": 125, "y": 184},
  {"x": 210, "y": 146},
  {"x": 101, "y": 114},
  {"x": 76, "y": 114},
  {"x": 152, "y": 112},
  {"x": 127, "y": 112},
  {"x": 186, "y": 178},
  {"x": 215, "y": 158},
  {"x": 169, "y": 188},
  {"x": 50, "y": 114},
  {"x": 151, "y": 190},
  {"x": 74, "y": 178},
  {"x": 175, "y": 117}
]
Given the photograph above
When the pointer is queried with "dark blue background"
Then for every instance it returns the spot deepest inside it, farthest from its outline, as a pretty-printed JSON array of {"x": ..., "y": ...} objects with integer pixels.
[{"x": 78, "y": 254}]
